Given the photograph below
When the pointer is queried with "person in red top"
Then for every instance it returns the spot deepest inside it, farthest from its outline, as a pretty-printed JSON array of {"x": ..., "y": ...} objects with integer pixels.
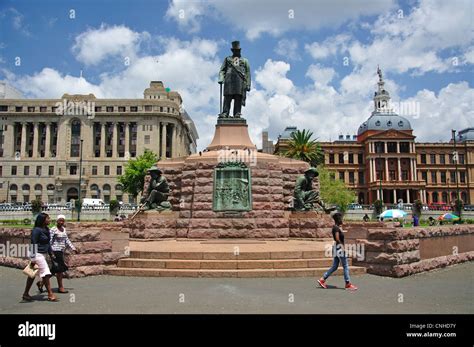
[{"x": 339, "y": 255}]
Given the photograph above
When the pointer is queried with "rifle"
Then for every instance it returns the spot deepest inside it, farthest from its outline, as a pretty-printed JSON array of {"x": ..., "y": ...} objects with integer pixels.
[{"x": 139, "y": 209}]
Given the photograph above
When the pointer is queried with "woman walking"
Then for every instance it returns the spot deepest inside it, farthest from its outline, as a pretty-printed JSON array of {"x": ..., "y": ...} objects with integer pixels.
[
  {"x": 40, "y": 247},
  {"x": 59, "y": 242},
  {"x": 339, "y": 255}
]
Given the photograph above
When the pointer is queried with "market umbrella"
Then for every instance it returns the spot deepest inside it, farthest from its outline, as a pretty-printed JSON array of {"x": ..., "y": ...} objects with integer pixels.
[
  {"x": 448, "y": 216},
  {"x": 393, "y": 214}
]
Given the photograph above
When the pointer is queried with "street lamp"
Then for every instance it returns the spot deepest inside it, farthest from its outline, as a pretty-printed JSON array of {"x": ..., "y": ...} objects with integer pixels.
[
  {"x": 455, "y": 159},
  {"x": 80, "y": 179}
]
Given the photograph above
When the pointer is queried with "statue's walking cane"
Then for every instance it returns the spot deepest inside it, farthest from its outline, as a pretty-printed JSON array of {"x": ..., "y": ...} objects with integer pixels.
[{"x": 220, "y": 101}]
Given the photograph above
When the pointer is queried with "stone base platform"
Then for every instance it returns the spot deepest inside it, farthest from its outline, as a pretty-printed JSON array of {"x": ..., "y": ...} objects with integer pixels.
[{"x": 227, "y": 258}]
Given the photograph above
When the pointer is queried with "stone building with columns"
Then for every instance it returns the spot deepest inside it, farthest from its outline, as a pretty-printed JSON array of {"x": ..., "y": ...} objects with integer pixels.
[
  {"x": 383, "y": 161},
  {"x": 40, "y": 142}
]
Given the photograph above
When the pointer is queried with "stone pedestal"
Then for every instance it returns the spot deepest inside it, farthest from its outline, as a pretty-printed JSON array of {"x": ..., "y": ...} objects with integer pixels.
[
  {"x": 272, "y": 183},
  {"x": 231, "y": 133}
]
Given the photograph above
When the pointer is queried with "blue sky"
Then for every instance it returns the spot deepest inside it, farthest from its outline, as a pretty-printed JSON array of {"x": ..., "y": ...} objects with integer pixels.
[{"x": 313, "y": 62}]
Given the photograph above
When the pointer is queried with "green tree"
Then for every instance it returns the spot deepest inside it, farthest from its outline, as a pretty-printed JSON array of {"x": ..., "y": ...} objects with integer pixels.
[
  {"x": 133, "y": 178},
  {"x": 418, "y": 207},
  {"x": 36, "y": 207},
  {"x": 114, "y": 206},
  {"x": 302, "y": 147},
  {"x": 378, "y": 207},
  {"x": 333, "y": 191}
]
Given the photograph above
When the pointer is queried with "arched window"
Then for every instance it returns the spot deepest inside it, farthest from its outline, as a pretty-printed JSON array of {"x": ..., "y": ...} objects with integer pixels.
[
  {"x": 94, "y": 187},
  {"x": 50, "y": 187},
  {"x": 13, "y": 187},
  {"x": 75, "y": 137},
  {"x": 25, "y": 187},
  {"x": 38, "y": 187},
  {"x": 435, "y": 197},
  {"x": 464, "y": 197},
  {"x": 107, "y": 189},
  {"x": 118, "y": 187},
  {"x": 389, "y": 123}
]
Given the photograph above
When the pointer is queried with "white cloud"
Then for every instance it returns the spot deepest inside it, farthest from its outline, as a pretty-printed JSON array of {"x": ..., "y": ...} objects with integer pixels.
[
  {"x": 272, "y": 77},
  {"x": 94, "y": 45},
  {"x": 320, "y": 74},
  {"x": 452, "y": 108},
  {"x": 288, "y": 49},
  {"x": 258, "y": 17},
  {"x": 17, "y": 20},
  {"x": 331, "y": 46}
]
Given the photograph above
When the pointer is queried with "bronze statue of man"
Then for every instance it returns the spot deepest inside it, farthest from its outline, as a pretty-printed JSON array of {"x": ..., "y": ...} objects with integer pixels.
[
  {"x": 156, "y": 191},
  {"x": 235, "y": 75},
  {"x": 305, "y": 197}
]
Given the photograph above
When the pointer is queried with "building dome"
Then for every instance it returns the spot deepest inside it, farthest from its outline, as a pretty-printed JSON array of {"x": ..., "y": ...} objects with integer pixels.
[
  {"x": 383, "y": 118},
  {"x": 384, "y": 121}
]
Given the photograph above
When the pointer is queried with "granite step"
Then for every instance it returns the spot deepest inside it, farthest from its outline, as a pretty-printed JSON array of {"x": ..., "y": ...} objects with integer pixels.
[
  {"x": 225, "y": 264},
  {"x": 196, "y": 255},
  {"x": 240, "y": 273}
]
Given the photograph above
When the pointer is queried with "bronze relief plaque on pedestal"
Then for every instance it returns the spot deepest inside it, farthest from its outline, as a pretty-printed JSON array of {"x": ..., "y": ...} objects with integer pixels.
[{"x": 232, "y": 187}]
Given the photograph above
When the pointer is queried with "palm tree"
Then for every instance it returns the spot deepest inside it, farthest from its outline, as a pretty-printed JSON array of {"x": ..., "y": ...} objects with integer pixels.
[{"x": 302, "y": 147}]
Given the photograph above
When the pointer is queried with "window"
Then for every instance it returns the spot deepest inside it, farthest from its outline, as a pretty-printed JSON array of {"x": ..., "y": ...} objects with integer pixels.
[
  {"x": 423, "y": 158},
  {"x": 351, "y": 158},
  {"x": 148, "y": 108},
  {"x": 161, "y": 108},
  {"x": 13, "y": 170},
  {"x": 433, "y": 158},
  {"x": 1, "y": 171},
  {"x": 43, "y": 108},
  {"x": 393, "y": 175},
  {"x": 379, "y": 147},
  {"x": 341, "y": 175},
  {"x": 360, "y": 158},
  {"x": 106, "y": 170},
  {"x": 98, "y": 109},
  {"x": 462, "y": 177},
  {"x": 452, "y": 177},
  {"x": 404, "y": 147},
  {"x": 18, "y": 108},
  {"x": 38, "y": 171},
  {"x": 361, "y": 177},
  {"x": 442, "y": 159},
  {"x": 424, "y": 176},
  {"x": 110, "y": 109},
  {"x": 119, "y": 170},
  {"x": 331, "y": 158},
  {"x": 404, "y": 175},
  {"x": 51, "y": 170},
  {"x": 341, "y": 158},
  {"x": 54, "y": 109},
  {"x": 121, "y": 109},
  {"x": 461, "y": 158},
  {"x": 3, "y": 108},
  {"x": 443, "y": 176},
  {"x": 133, "y": 109},
  {"x": 351, "y": 177},
  {"x": 31, "y": 109},
  {"x": 94, "y": 170},
  {"x": 391, "y": 147},
  {"x": 75, "y": 138},
  {"x": 73, "y": 170},
  {"x": 26, "y": 171}
]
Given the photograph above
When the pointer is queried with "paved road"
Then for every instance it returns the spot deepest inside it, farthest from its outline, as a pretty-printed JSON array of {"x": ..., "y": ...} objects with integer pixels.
[{"x": 447, "y": 290}]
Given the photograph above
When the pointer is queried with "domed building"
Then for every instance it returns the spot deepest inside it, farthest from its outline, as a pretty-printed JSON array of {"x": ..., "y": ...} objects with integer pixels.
[{"x": 383, "y": 162}]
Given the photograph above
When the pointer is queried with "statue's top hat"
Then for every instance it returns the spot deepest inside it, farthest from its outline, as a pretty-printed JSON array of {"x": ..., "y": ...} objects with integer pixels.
[
  {"x": 313, "y": 170},
  {"x": 235, "y": 45},
  {"x": 154, "y": 168}
]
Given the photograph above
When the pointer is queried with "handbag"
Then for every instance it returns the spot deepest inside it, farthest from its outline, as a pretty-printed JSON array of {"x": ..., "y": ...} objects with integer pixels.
[{"x": 30, "y": 270}]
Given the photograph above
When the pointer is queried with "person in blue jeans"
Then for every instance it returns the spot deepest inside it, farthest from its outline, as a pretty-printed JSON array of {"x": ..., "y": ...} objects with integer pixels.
[{"x": 339, "y": 255}]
